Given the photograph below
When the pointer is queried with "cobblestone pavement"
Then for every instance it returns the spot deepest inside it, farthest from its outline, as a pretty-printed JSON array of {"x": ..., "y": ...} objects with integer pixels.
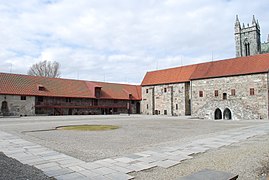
[{"x": 62, "y": 166}]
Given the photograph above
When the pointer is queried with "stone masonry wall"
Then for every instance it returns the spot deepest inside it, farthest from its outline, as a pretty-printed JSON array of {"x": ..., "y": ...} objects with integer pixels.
[
  {"x": 157, "y": 101},
  {"x": 18, "y": 107},
  {"x": 242, "y": 104}
]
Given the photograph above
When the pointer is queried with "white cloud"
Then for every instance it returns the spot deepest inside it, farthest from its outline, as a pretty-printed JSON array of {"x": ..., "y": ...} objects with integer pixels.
[{"x": 119, "y": 40}]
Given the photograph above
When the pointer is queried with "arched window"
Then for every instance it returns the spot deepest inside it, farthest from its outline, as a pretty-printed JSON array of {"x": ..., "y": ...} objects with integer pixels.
[
  {"x": 227, "y": 114},
  {"x": 218, "y": 114},
  {"x": 247, "y": 49}
]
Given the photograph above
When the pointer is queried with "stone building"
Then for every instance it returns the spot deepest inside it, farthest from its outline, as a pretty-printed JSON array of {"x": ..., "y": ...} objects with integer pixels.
[
  {"x": 248, "y": 39},
  {"x": 227, "y": 89},
  {"x": 23, "y": 95}
]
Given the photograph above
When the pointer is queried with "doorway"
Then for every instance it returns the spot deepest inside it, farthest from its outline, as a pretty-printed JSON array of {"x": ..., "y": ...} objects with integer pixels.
[
  {"x": 227, "y": 114},
  {"x": 4, "y": 108},
  {"x": 218, "y": 114}
]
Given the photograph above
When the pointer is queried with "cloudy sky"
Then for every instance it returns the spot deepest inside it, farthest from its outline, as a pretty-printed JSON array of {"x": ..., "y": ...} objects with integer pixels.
[{"x": 120, "y": 40}]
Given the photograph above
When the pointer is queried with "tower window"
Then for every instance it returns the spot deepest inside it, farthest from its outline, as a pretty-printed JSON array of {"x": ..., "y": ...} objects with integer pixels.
[{"x": 247, "y": 49}]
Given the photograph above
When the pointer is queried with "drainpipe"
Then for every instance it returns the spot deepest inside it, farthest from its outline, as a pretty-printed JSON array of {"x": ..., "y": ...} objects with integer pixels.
[
  {"x": 267, "y": 91},
  {"x": 172, "y": 100}
]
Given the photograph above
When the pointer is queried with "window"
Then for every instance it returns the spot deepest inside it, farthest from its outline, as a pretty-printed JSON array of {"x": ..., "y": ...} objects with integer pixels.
[
  {"x": 67, "y": 99},
  {"x": 41, "y": 88},
  {"x": 147, "y": 106},
  {"x": 247, "y": 49},
  {"x": 95, "y": 102},
  {"x": 132, "y": 101},
  {"x": 224, "y": 96},
  {"x": 216, "y": 93},
  {"x": 176, "y": 106},
  {"x": 40, "y": 98},
  {"x": 251, "y": 91},
  {"x": 97, "y": 92},
  {"x": 115, "y": 101},
  {"x": 165, "y": 112},
  {"x": 147, "y": 91},
  {"x": 130, "y": 96},
  {"x": 165, "y": 90},
  {"x": 201, "y": 94},
  {"x": 23, "y": 97},
  {"x": 233, "y": 92}
]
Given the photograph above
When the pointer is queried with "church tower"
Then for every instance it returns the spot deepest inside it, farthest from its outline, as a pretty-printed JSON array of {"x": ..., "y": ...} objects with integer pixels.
[{"x": 247, "y": 39}]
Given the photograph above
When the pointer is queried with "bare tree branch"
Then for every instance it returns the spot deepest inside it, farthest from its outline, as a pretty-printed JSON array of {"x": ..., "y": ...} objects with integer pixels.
[{"x": 45, "y": 69}]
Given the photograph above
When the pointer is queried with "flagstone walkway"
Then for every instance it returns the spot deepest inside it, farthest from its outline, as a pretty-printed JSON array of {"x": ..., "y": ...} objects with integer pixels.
[{"x": 62, "y": 166}]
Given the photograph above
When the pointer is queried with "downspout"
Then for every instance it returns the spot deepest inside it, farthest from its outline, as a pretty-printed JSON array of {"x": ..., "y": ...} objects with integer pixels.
[
  {"x": 267, "y": 91},
  {"x": 172, "y": 100},
  {"x": 191, "y": 97}
]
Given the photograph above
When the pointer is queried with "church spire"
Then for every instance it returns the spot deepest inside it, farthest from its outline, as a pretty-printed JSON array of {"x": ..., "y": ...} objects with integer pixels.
[
  {"x": 237, "y": 26},
  {"x": 237, "y": 22},
  {"x": 253, "y": 20},
  {"x": 258, "y": 25}
]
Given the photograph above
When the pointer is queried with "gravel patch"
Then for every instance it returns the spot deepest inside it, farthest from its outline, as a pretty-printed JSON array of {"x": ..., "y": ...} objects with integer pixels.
[
  {"x": 12, "y": 169},
  {"x": 249, "y": 159},
  {"x": 137, "y": 133}
]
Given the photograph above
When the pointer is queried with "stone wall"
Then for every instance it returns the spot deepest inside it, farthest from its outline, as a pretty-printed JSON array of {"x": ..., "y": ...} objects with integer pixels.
[
  {"x": 167, "y": 99},
  {"x": 17, "y": 106},
  {"x": 242, "y": 105}
]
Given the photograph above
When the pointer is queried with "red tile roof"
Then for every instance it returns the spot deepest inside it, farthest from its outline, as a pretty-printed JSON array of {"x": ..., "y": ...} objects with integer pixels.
[
  {"x": 17, "y": 84},
  {"x": 167, "y": 76},
  {"x": 229, "y": 67}
]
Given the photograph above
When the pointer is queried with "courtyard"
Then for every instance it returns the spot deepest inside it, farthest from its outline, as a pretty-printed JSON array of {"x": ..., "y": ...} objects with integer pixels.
[{"x": 240, "y": 147}]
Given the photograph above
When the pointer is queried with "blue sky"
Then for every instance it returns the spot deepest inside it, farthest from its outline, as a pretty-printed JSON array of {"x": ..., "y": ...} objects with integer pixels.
[{"x": 120, "y": 40}]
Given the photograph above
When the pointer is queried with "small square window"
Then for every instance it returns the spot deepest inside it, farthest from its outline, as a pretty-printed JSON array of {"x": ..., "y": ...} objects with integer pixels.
[
  {"x": 201, "y": 94},
  {"x": 216, "y": 93},
  {"x": 251, "y": 91},
  {"x": 23, "y": 98}
]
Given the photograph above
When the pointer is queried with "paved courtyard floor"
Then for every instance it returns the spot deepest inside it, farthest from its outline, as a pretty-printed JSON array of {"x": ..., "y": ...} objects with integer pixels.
[{"x": 143, "y": 144}]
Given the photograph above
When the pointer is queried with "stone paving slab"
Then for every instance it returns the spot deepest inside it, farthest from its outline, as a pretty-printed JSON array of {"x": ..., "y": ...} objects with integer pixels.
[{"x": 63, "y": 166}]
